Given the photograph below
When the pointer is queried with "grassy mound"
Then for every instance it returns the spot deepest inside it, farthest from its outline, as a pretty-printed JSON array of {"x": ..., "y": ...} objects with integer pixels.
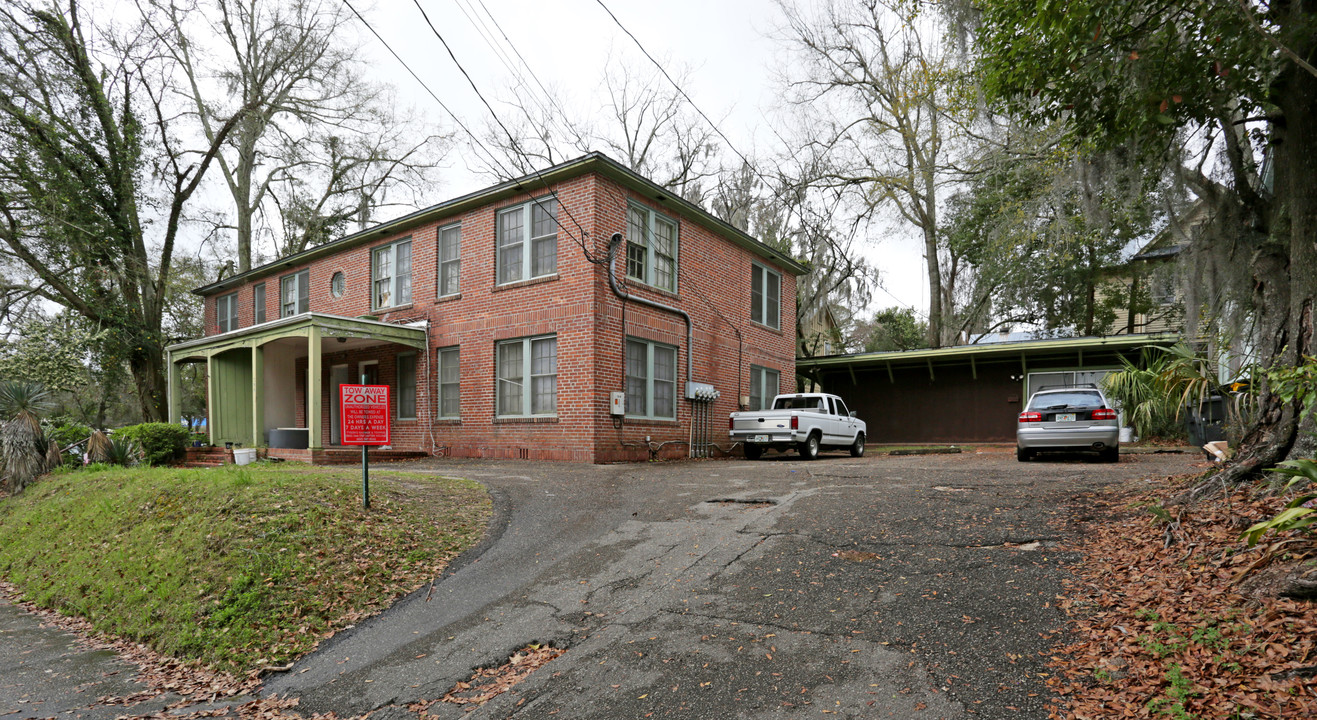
[{"x": 237, "y": 567}]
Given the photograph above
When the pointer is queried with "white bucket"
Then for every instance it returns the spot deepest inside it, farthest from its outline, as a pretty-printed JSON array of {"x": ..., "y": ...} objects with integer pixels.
[
  {"x": 244, "y": 456},
  {"x": 1127, "y": 435}
]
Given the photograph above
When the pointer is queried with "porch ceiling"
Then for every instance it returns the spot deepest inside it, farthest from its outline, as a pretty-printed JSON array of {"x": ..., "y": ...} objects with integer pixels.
[{"x": 347, "y": 333}]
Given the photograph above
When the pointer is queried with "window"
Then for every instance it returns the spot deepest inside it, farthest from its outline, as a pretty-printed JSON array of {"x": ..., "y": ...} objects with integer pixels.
[
  {"x": 840, "y": 407},
  {"x": 763, "y": 387},
  {"x": 527, "y": 241},
  {"x": 338, "y": 284},
  {"x": 765, "y": 296},
  {"x": 391, "y": 269},
  {"x": 527, "y": 375},
  {"x": 295, "y": 291},
  {"x": 651, "y": 380},
  {"x": 450, "y": 260},
  {"x": 258, "y": 303},
  {"x": 226, "y": 312},
  {"x": 407, "y": 386},
  {"x": 450, "y": 387},
  {"x": 651, "y": 251}
]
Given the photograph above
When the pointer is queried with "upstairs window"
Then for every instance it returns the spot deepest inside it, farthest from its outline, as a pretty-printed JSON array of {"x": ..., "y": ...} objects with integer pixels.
[
  {"x": 765, "y": 296},
  {"x": 226, "y": 312},
  {"x": 651, "y": 251},
  {"x": 258, "y": 303},
  {"x": 450, "y": 260},
  {"x": 295, "y": 291},
  {"x": 527, "y": 237},
  {"x": 391, "y": 270},
  {"x": 763, "y": 387}
]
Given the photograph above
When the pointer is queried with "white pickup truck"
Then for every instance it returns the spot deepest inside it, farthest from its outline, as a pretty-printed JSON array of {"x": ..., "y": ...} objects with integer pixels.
[{"x": 807, "y": 422}]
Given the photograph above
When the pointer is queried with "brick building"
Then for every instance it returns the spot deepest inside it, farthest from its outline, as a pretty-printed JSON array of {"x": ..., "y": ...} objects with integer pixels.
[{"x": 495, "y": 321}]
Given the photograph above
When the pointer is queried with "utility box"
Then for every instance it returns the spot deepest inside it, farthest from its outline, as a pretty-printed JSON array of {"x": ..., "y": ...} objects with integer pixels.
[{"x": 617, "y": 403}]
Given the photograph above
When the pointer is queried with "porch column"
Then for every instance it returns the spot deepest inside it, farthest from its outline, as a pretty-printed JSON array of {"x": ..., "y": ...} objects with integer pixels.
[
  {"x": 258, "y": 396},
  {"x": 313, "y": 384},
  {"x": 211, "y": 395},
  {"x": 175, "y": 390}
]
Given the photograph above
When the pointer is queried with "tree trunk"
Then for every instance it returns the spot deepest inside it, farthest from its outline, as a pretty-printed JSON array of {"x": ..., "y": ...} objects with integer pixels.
[{"x": 147, "y": 365}]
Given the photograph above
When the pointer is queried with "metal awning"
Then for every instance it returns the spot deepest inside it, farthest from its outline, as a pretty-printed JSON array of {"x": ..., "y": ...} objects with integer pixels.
[{"x": 299, "y": 326}]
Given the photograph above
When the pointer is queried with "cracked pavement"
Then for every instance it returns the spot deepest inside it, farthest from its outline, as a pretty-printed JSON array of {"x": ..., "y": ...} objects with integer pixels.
[{"x": 906, "y": 587}]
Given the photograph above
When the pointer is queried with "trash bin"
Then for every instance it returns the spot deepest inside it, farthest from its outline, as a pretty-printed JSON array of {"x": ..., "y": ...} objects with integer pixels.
[
  {"x": 1205, "y": 422},
  {"x": 244, "y": 456}
]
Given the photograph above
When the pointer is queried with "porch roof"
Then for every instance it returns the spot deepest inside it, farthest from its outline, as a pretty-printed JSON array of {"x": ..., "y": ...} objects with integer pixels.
[{"x": 299, "y": 326}]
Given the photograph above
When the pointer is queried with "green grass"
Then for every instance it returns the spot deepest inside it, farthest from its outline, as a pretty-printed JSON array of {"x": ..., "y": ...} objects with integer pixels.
[{"x": 236, "y": 567}]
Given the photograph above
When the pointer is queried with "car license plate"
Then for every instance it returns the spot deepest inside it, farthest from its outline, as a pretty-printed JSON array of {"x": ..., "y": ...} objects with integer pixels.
[
  {"x": 759, "y": 438},
  {"x": 1065, "y": 417}
]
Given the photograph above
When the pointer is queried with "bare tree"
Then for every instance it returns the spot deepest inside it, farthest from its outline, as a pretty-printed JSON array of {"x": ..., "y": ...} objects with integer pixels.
[
  {"x": 316, "y": 140},
  {"x": 888, "y": 130}
]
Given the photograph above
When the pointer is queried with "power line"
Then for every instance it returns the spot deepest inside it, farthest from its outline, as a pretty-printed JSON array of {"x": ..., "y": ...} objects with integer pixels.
[{"x": 516, "y": 147}]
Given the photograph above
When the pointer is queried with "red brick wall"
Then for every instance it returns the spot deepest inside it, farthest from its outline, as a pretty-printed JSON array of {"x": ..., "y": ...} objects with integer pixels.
[{"x": 577, "y": 306}]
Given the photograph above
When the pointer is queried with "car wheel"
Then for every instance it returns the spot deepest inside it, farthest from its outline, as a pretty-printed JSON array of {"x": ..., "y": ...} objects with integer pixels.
[
  {"x": 857, "y": 447},
  {"x": 1111, "y": 455},
  {"x": 810, "y": 448},
  {"x": 753, "y": 452},
  {"x": 1023, "y": 455}
]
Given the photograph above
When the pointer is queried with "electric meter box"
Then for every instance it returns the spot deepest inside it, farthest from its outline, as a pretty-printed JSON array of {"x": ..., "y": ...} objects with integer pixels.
[{"x": 617, "y": 403}]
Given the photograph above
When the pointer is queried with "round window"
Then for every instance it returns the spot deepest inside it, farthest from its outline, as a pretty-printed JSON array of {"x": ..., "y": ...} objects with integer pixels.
[{"x": 336, "y": 284}]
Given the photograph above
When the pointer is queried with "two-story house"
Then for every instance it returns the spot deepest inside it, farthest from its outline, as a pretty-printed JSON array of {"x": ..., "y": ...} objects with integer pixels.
[{"x": 579, "y": 313}]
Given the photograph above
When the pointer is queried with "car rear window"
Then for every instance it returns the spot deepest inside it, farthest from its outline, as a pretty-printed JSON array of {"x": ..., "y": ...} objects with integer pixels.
[
  {"x": 1076, "y": 399},
  {"x": 812, "y": 404}
]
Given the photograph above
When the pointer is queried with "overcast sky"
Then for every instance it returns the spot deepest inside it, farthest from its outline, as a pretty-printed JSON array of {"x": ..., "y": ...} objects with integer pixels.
[{"x": 730, "y": 46}]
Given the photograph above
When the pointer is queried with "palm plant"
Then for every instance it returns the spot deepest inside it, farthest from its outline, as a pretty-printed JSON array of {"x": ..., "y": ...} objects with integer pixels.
[
  {"x": 98, "y": 446},
  {"x": 122, "y": 451},
  {"x": 1150, "y": 408},
  {"x": 22, "y": 440}
]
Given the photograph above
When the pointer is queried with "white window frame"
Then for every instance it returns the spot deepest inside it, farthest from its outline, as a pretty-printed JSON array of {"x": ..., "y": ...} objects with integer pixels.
[
  {"x": 445, "y": 358},
  {"x": 445, "y": 262},
  {"x": 645, "y": 269},
  {"x": 299, "y": 280},
  {"x": 398, "y": 386},
  {"x": 258, "y": 303},
  {"x": 526, "y": 242},
  {"x": 525, "y": 378},
  {"x": 759, "y": 384},
  {"x": 226, "y": 312},
  {"x": 760, "y": 307},
  {"x": 650, "y": 380},
  {"x": 399, "y": 284},
  {"x": 361, "y": 370}
]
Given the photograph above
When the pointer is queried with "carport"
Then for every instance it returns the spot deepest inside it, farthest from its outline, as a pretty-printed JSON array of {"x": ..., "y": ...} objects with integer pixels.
[{"x": 967, "y": 393}]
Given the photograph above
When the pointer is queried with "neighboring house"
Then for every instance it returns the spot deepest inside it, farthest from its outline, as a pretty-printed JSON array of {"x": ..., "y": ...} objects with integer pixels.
[
  {"x": 1151, "y": 278},
  {"x": 493, "y": 319},
  {"x": 820, "y": 334}
]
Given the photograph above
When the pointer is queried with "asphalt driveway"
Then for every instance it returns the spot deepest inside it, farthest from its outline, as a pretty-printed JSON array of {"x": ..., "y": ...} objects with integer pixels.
[{"x": 907, "y": 587}]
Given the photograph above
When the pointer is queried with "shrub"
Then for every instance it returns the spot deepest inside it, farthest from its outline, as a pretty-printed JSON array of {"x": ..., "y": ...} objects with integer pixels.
[
  {"x": 160, "y": 442},
  {"x": 66, "y": 432}
]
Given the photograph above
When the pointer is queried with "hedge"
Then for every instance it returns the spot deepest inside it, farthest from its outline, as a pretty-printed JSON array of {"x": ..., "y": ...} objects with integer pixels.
[{"x": 160, "y": 442}]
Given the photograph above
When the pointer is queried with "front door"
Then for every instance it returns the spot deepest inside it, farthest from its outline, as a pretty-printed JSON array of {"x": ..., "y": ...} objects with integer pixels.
[{"x": 338, "y": 375}]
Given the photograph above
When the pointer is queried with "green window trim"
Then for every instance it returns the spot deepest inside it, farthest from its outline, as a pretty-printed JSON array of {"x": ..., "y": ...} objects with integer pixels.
[
  {"x": 405, "y": 384},
  {"x": 449, "y": 372},
  {"x": 226, "y": 312},
  {"x": 450, "y": 260},
  {"x": 652, "y": 248},
  {"x": 258, "y": 304},
  {"x": 651, "y": 380},
  {"x": 526, "y": 241},
  {"x": 526, "y": 377},
  {"x": 762, "y": 381},
  {"x": 765, "y": 296},
  {"x": 295, "y": 294},
  {"x": 391, "y": 274}
]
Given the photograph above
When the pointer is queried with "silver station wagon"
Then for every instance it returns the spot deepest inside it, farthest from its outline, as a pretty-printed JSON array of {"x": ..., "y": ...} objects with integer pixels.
[{"x": 1068, "y": 418}]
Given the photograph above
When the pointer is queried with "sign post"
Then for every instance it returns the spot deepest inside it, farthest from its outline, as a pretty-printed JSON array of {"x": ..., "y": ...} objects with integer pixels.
[{"x": 364, "y": 415}]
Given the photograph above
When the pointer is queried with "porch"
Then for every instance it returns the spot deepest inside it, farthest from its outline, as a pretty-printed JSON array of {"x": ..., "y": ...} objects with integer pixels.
[{"x": 267, "y": 384}]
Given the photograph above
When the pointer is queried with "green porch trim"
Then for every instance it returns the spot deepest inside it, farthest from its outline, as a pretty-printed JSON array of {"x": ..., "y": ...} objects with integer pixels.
[{"x": 298, "y": 326}]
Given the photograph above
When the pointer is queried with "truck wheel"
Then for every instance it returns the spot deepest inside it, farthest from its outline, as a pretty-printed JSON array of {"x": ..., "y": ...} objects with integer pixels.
[
  {"x": 857, "y": 447},
  {"x": 809, "y": 449},
  {"x": 752, "y": 452}
]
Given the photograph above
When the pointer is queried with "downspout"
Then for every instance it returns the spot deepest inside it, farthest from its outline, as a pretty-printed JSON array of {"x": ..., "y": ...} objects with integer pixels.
[{"x": 613, "y": 244}]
